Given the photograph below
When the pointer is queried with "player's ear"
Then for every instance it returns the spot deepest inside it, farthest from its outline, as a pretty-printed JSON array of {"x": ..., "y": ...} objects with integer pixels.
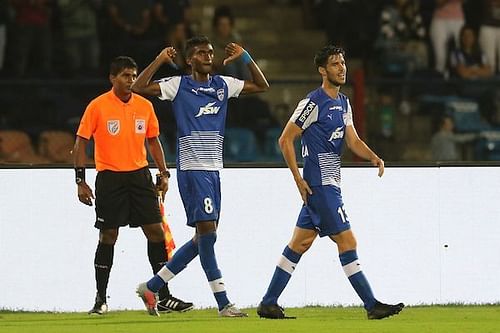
[
  {"x": 322, "y": 70},
  {"x": 111, "y": 78}
]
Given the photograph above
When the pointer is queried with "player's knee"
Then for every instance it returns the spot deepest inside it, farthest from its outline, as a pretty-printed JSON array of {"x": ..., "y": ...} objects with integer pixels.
[
  {"x": 347, "y": 244},
  {"x": 301, "y": 246},
  {"x": 154, "y": 232},
  {"x": 203, "y": 228},
  {"x": 108, "y": 236},
  {"x": 156, "y": 237}
]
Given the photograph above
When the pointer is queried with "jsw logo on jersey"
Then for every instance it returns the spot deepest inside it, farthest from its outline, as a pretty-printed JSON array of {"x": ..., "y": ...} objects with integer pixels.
[
  {"x": 337, "y": 134},
  {"x": 208, "y": 109}
]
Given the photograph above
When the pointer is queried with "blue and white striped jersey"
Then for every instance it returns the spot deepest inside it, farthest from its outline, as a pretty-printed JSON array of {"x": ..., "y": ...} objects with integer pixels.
[
  {"x": 200, "y": 110},
  {"x": 324, "y": 121}
]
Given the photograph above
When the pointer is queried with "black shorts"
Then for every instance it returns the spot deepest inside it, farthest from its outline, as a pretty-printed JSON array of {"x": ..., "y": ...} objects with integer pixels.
[{"x": 125, "y": 198}]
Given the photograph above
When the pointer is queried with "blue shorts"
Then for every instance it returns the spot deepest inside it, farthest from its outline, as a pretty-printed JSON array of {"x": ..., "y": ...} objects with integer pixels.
[
  {"x": 200, "y": 194},
  {"x": 324, "y": 212}
]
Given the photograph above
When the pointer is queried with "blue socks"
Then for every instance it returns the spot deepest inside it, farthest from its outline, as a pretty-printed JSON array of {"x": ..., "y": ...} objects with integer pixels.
[
  {"x": 352, "y": 270},
  {"x": 208, "y": 261},
  {"x": 179, "y": 261},
  {"x": 183, "y": 256},
  {"x": 282, "y": 274}
]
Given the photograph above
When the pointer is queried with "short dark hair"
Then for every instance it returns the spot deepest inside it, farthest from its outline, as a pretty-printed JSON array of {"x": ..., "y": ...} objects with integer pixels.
[
  {"x": 321, "y": 57},
  {"x": 119, "y": 63},
  {"x": 193, "y": 42}
]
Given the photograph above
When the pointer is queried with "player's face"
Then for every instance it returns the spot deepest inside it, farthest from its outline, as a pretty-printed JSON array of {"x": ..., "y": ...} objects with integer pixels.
[
  {"x": 202, "y": 59},
  {"x": 336, "y": 70},
  {"x": 123, "y": 81}
]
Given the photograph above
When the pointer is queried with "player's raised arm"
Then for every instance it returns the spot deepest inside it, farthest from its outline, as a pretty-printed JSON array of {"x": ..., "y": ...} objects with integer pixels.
[
  {"x": 259, "y": 82},
  {"x": 143, "y": 84},
  {"x": 359, "y": 147}
]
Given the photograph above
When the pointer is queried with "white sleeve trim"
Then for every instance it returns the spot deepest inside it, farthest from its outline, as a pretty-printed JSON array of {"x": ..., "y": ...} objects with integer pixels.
[
  {"x": 234, "y": 86},
  {"x": 348, "y": 118},
  {"x": 169, "y": 87},
  {"x": 306, "y": 113}
]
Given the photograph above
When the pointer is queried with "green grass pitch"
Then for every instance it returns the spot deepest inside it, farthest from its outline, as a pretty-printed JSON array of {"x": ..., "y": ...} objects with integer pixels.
[{"x": 435, "y": 319}]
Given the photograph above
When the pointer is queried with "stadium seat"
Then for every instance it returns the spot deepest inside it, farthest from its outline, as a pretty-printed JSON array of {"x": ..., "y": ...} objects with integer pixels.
[
  {"x": 56, "y": 146},
  {"x": 16, "y": 147},
  {"x": 169, "y": 154},
  {"x": 466, "y": 116},
  {"x": 240, "y": 145},
  {"x": 272, "y": 151},
  {"x": 488, "y": 146},
  {"x": 90, "y": 148}
]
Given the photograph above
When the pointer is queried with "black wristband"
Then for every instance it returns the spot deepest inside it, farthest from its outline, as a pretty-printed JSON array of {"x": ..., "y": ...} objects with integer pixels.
[{"x": 79, "y": 175}]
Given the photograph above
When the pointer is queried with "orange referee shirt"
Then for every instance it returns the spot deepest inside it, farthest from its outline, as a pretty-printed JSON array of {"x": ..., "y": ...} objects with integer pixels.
[{"x": 119, "y": 130}]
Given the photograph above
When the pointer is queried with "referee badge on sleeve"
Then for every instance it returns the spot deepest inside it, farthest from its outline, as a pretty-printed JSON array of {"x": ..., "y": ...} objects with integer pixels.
[
  {"x": 113, "y": 127},
  {"x": 140, "y": 126}
]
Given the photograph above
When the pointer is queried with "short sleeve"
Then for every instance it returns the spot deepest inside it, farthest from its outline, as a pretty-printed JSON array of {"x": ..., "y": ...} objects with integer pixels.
[
  {"x": 305, "y": 113},
  {"x": 169, "y": 87},
  {"x": 234, "y": 86},
  {"x": 348, "y": 115},
  {"x": 88, "y": 122},
  {"x": 153, "y": 129}
]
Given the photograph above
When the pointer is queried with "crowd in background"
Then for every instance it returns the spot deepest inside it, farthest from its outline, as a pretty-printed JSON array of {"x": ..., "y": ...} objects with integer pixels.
[
  {"x": 75, "y": 39},
  {"x": 67, "y": 38}
]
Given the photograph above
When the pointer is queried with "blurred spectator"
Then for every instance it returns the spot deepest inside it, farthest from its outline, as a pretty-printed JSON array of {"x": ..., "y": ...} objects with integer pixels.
[
  {"x": 176, "y": 37},
  {"x": 130, "y": 23},
  {"x": 443, "y": 142},
  {"x": 224, "y": 33},
  {"x": 489, "y": 34},
  {"x": 4, "y": 19},
  {"x": 401, "y": 40},
  {"x": 447, "y": 19},
  {"x": 79, "y": 29},
  {"x": 446, "y": 145},
  {"x": 468, "y": 61},
  {"x": 168, "y": 13},
  {"x": 32, "y": 37},
  {"x": 343, "y": 19}
]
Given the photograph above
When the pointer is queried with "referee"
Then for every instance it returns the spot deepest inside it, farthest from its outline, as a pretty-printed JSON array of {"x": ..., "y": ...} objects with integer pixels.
[{"x": 120, "y": 121}]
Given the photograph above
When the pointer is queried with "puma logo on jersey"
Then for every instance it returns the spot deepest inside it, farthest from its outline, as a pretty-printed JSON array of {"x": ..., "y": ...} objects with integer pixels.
[
  {"x": 203, "y": 89},
  {"x": 337, "y": 134},
  {"x": 208, "y": 109}
]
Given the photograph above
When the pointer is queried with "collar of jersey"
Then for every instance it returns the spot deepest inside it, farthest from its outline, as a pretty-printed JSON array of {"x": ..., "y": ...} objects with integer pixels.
[
  {"x": 198, "y": 83},
  {"x": 117, "y": 99}
]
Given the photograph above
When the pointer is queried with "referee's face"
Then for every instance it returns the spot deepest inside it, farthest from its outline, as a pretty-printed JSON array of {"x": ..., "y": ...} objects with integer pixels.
[
  {"x": 336, "y": 70},
  {"x": 123, "y": 81}
]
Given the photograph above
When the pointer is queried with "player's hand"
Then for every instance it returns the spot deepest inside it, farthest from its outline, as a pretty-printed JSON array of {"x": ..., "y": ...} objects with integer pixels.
[
  {"x": 162, "y": 187},
  {"x": 85, "y": 194},
  {"x": 304, "y": 189},
  {"x": 378, "y": 162},
  {"x": 168, "y": 54},
  {"x": 233, "y": 51}
]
